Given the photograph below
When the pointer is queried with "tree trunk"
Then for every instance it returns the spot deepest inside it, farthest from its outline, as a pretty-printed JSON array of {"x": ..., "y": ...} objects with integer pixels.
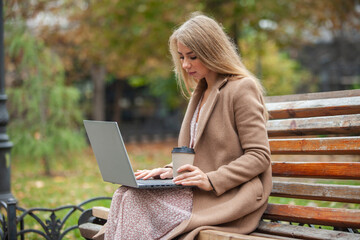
[
  {"x": 258, "y": 66},
  {"x": 46, "y": 165},
  {"x": 116, "y": 106},
  {"x": 98, "y": 74}
]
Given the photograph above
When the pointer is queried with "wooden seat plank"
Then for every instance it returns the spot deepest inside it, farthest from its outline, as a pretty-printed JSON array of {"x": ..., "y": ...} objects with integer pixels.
[
  {"x": 329, "y": 170},
  {"x": 267, "y": 235},
  {"x": 312, "y": 96},
  {"x": 303, "y": 232},
  {"x": 218, "y": 235},
  {"x": 313, "y": 108},
  {"x": 88, "y": 230},
  {"x": 101, "y": 212},
  {"x": 341, "y": 124},
  {"x": 316, "y": 146},
  {"x": 323, "y": 192},
  {"x": 337, "y": 217}
]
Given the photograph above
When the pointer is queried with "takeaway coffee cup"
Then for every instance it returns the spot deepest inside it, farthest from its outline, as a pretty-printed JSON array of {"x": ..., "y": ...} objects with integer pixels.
[{"x": 180, "y": 157}]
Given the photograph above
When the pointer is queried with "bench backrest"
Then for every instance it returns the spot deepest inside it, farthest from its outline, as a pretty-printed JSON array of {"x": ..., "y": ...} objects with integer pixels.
[{"x": 316, "y": 124}]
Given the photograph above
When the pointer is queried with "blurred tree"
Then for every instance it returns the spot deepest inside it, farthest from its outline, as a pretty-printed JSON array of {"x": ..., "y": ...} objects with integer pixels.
[
  {"x": 310, "y": 19},
  {"x": 123, "y": 39},
  {"x": 286, "y": 22},
  {"x": 289, "y": 24},
  {"x": 44, "y": 112},
  {"x": 279, "y": 73},
  {"x": 128, "y": 39},
  {"x": 116, "y": 40}
]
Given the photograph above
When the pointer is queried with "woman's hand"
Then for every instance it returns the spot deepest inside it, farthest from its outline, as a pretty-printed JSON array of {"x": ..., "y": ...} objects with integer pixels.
[
  {"x": 155, "y": 173},
  {"x": 193, "y": 176}
]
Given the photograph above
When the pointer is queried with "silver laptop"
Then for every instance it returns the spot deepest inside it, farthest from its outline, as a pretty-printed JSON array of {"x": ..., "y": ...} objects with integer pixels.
[{"x": 112, "y": 158}]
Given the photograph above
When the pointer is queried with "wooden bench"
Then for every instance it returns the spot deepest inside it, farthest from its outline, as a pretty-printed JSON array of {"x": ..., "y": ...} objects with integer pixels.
[{"x": 303, "y": 127}]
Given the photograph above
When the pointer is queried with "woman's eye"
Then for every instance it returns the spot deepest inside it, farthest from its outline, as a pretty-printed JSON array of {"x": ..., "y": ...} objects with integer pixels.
[
  {"x": 182, "y": 58},
  {"x": 193, "y": 58}
]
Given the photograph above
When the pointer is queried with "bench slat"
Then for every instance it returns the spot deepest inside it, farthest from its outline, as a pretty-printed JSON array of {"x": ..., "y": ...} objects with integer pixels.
[
  {"x": 329, "y": 145},
  {"x": 267, "y": 235},
  {"x": 337, "y": 217},
  {"x": 314, "y": 108},
  {"x": 218, "y": 235},
  {"x": 342, "y": 124},
  {"x": 303, "y": 232},
  {"x": 323, "y": 192},
  {"x": 88, "y": 230},
  {"x": 328, "y": 170},
  {"x": 312, "y": 96},
  {"x": 100, "y": 212}
]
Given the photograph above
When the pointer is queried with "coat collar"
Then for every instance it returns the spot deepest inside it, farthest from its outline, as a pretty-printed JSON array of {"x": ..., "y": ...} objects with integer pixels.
[{"x": 206, "y": 111}]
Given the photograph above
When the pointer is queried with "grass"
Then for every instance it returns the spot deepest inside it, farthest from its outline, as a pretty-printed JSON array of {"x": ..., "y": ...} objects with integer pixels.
[{"x": 78, "y": 179}]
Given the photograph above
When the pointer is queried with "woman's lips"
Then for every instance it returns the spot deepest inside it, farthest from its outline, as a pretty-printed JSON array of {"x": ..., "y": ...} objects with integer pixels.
[{"x": 191, "y": 73}]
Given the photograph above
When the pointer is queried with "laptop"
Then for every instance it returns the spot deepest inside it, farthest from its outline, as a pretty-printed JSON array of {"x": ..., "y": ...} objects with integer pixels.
[{"x": 112, "y": 158}]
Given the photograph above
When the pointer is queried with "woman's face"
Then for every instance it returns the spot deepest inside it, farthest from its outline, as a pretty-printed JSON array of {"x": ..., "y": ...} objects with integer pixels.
[{"x": 191, "y": 64}]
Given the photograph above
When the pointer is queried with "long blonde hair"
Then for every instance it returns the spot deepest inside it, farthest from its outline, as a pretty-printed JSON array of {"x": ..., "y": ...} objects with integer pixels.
[{"x": 207, "y": 39}]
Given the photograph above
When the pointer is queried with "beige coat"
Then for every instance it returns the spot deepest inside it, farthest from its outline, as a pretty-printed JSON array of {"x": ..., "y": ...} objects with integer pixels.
[{"x": 232, "y": 149}]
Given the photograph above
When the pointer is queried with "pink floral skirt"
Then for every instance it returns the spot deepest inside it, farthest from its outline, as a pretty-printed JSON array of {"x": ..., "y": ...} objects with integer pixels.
[{"x": 147, "y": 214}]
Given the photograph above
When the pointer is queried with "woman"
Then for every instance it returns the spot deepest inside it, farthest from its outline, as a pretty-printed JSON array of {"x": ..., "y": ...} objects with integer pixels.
[{"x": 225, "y": 124}]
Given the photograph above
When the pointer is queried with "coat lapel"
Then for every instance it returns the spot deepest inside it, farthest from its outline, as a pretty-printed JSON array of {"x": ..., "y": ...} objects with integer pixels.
[
  {"x": 184, "y": 137},
  {"x": 208, "y": 108}
]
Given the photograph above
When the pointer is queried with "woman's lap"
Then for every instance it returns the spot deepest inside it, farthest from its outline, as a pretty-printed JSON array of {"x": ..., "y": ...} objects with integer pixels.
[{"x": 147, "y": 214}]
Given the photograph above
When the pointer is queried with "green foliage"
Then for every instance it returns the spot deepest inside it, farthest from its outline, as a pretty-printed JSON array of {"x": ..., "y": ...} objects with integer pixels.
[
  {"x": 44, "y": 112},
  {"x": 279, "y": 74},
  {"x": 356, "y": 85},
  {"x": 128, "y": 37},
  {"x": 167, "y": 90},
  {"x": 137, "y": 81}
]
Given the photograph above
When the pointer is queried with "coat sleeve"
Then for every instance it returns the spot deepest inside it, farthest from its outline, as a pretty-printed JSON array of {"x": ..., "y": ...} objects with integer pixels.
[{"x": 251, "y": 128}]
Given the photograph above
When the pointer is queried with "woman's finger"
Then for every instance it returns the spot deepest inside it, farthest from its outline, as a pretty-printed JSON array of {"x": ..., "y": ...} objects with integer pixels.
[
  {"x": 186, "y": 177},
  {"x": 187, "y": 167},
  {"x": 155, "y": 173},
  {"x": 139, "y": 171},
  {"x": 204, "y": 185},
  {"x": 194, "y": 183},
  {"x": 195, "y": 177},
  {"x": 141, "y": 174},
  {"x": 187, "y": 172},
  {"x": 145, "y": 174},
  {"x": 151, "y": 173},
  {"x": 168, "y": 173}
]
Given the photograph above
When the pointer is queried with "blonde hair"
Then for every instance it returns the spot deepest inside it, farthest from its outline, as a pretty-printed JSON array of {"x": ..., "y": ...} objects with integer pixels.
[{"x": 207, "y": 39}]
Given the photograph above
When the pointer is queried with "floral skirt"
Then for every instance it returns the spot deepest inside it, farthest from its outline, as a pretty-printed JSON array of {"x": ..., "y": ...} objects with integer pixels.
[{"x": 147, "y": 214}]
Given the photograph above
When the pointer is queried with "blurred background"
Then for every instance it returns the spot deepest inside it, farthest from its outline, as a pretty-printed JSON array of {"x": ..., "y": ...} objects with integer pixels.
[{"x": 108, "y": 60}]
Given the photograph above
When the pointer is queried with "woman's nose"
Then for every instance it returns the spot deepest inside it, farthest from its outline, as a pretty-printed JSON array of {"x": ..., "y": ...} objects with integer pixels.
[{"x": 186, "y": 64}]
